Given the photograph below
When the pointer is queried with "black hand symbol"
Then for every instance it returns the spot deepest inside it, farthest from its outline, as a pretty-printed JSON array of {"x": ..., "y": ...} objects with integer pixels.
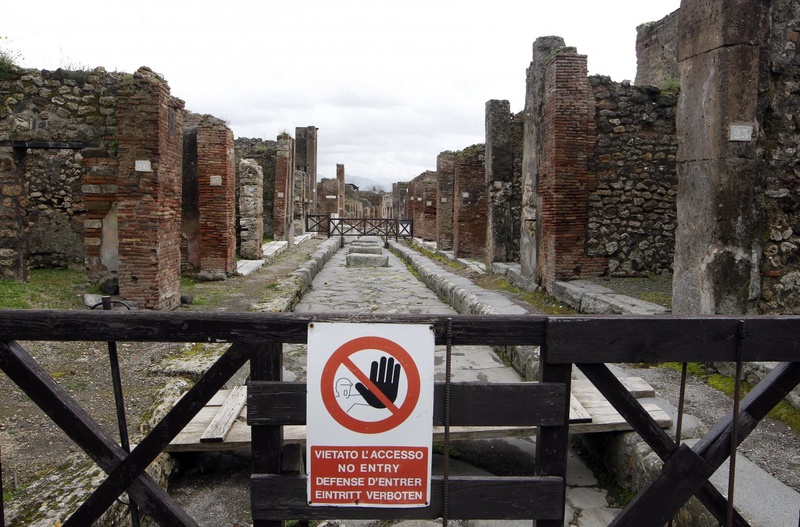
[{"x": 386, "y": 379}]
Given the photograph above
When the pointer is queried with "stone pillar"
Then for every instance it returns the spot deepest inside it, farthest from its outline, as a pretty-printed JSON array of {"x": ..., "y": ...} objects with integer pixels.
[
  {"x": 445, "y": 169},
  {"x": 469, "y": 206},
  {"x": 150, "y": 153},
  {"x": 340, "y": 190},
  {"x": 724, "y": 90},
  {"x": 501, "y": 237},
  {"x": 284, "y": 189},
  {"x": 428, "y": 187},
  {"x": 306, "y": 161},
  {"x": 13, "y": 223},
  {"x": 300, "y": 202},
  {"x": 657, "y": 52},
  {"x": 251, "y": 209},
  {"x": 216, "y": 187}
]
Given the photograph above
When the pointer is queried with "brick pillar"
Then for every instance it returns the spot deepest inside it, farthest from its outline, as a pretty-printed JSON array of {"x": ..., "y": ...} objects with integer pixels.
[
  {"x": 251, "y": 209},
  {"x": 340, "y": 190},
  {"x": 564, "y": 178},
  {"x": 469, "y": 203},
  {"x": 216, "y": 184},
  {"x": 725, "y": 81},
  {"x": 307, "y": 162},
  {"x": 150, "y": 153},
  {"x": 428, "y": 206},
  {"x": 445, "y": 169},
  {"x": 284, "y": 189},
  {"x": 502, "y": 234},
  {"x": 13, "y": 216}
]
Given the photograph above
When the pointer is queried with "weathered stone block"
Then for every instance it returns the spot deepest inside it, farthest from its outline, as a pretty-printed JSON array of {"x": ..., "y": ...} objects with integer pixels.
[{"x": 367, "y": 260}]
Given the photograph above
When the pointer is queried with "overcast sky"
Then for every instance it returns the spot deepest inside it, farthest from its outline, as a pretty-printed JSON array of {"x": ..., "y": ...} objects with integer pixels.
[{"x": 388, "y": 84}]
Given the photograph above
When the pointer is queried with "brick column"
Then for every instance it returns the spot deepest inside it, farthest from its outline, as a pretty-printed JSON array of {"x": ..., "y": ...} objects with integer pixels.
[
  {"x": 251, "y": 208},
  {"x": 469, "y": 207},
  {"x": 100, "y": 224},
  {"x": 445, "y": 169},
  {"x": 216, "y": 184},
  {"x": 150, "y": 154}
]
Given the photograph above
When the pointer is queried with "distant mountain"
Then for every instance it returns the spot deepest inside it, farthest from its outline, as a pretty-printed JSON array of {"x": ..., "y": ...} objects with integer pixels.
[{"x": 364, "y": 183}]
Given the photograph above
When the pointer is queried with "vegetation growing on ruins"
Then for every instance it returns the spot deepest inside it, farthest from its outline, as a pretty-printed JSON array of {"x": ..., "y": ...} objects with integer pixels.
[
  {"x": 47, "y": 289},
  {"x": 9, "y": 59}
]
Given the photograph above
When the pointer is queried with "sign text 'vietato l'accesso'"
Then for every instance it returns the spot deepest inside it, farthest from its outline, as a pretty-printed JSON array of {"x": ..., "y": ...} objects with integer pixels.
[{"x": 370, "y": 414}]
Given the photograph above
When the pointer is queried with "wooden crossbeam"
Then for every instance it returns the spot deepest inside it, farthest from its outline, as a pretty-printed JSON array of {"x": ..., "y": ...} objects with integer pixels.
[
  {"x": 134, "y": 465},
  {"x": 87, "y": 433}
]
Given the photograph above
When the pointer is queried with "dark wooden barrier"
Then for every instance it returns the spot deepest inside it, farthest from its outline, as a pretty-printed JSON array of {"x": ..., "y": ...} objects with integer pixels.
[
  {"x": 587, "y": 342},
  {"x": 383, "y": 227}
]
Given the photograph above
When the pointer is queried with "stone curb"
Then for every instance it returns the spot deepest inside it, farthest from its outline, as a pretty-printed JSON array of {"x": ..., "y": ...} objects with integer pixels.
[{"x": 590, "y": 298}]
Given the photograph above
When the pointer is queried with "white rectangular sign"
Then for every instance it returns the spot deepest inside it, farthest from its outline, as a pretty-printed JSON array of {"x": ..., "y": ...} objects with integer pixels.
[{"x": 369, "y": 414}]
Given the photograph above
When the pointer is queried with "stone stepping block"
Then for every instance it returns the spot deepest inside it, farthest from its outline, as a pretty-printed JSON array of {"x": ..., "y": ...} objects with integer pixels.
[
  {"x": 366, "y": 249},
  {"x": 367, "y": 260}
]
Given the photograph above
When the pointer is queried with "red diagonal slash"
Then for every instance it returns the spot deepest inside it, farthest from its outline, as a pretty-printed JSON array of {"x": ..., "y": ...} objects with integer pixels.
[{"x": 361, "y": 376}]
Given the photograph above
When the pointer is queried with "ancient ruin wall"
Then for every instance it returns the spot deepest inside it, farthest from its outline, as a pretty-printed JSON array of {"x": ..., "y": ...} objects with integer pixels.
[
  {"x": 721, "y": 188},
  {"x": 251, "y": 209},
  {"x": 264, "y": 152},
  {"x": 632, "y": 214},
  {"x": 425, "y": 188},
  {"x": 446, "y": 179},
  {"x": 306, "y": 161},
  {"x": 470, "y": 203},
  {"x": 657, "y": 52},
  {"x": 149, "y": 193},
  {"x": 340, "y": 190},
  {"x": 780, "y": 261},
  {"x": 284, "y": 189},
  {"x": 502, "y": 238},
  {"x": 46, "y": 209}
]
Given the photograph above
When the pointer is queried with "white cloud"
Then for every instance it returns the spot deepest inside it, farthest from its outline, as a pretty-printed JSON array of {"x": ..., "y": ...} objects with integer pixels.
[{"x": 388, "y": 84}]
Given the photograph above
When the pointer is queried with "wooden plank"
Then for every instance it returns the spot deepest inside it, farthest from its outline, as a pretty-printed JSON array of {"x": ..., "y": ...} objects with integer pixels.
[
  {"x": 291, "y": 328},
  {"x": 279, "y": 497},
  {"x": 606, "y": 419},
  {"x": 577, "y": 413},
  {"x": 81, "y": 428},
  {"x": 648, "y": 339},
  {"x": 471, "y": 404},
  {"x": 134, "y": 465},
  {"x": 222, "y": 423}
]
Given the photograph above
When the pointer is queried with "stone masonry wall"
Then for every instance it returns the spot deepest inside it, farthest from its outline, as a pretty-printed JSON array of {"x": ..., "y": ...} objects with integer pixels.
[
  {"x": 251, "y": 208},
  {"x": 470, "y": 203},
  {"x": 780, "y": 260},
  {"x": 149, "y": 194},
  {"x": 265, "y": 154},
  {"x": 425, "y": 189},
  {"x": 284, "y": 189},
  {"x": 13, "y": 217},
  {"x": 502, "y": 239},
  {"x": 632, "y": 213},
  {"x": 657, "y": 52},
  {"x": 446, "y": 179}
]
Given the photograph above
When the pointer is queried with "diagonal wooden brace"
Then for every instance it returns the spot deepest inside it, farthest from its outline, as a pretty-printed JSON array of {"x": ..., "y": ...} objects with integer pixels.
[
  {"x": 655, "y": 502},
  {"x": 79, "y": 425},
  {"x": 134, "y": 465},
  {"x": 663, "y": 445}
]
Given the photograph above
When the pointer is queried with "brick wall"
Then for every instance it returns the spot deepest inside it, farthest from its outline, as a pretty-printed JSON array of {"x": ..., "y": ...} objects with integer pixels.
[
  {"x": 149, "y": 192},
  {"x": 565, "y": 181},
  {"x": 446, "y": 178},
  {"x": 101, "y": 232},
  {"x": 216, "y": 183},
  {"x": 470, "y": 203},
  {"x": 425, "y": 188}
]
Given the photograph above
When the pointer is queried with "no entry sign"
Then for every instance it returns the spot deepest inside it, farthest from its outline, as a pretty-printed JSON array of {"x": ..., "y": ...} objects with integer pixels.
[{"x": 370, "y": 414}]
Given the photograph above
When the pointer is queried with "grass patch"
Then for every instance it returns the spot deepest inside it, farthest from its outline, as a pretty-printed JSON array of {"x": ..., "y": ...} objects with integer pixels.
[
  {"x": 47, "y": 289},
  {"x": 438, "y": 257},
  {"x": 540, "y": 299},
  {"x": 783, "y": 412}
]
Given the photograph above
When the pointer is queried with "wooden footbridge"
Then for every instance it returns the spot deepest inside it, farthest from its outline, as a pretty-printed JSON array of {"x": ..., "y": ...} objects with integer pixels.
[{"x": 587, "y": 343}]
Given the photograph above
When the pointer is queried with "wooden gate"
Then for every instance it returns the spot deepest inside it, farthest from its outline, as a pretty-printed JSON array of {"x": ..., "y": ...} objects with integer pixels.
[{"x": 587, "y": 342}]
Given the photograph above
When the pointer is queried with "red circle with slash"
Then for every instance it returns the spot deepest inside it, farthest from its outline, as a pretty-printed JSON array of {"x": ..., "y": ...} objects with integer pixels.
[{"x": 341, "y": 357}]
